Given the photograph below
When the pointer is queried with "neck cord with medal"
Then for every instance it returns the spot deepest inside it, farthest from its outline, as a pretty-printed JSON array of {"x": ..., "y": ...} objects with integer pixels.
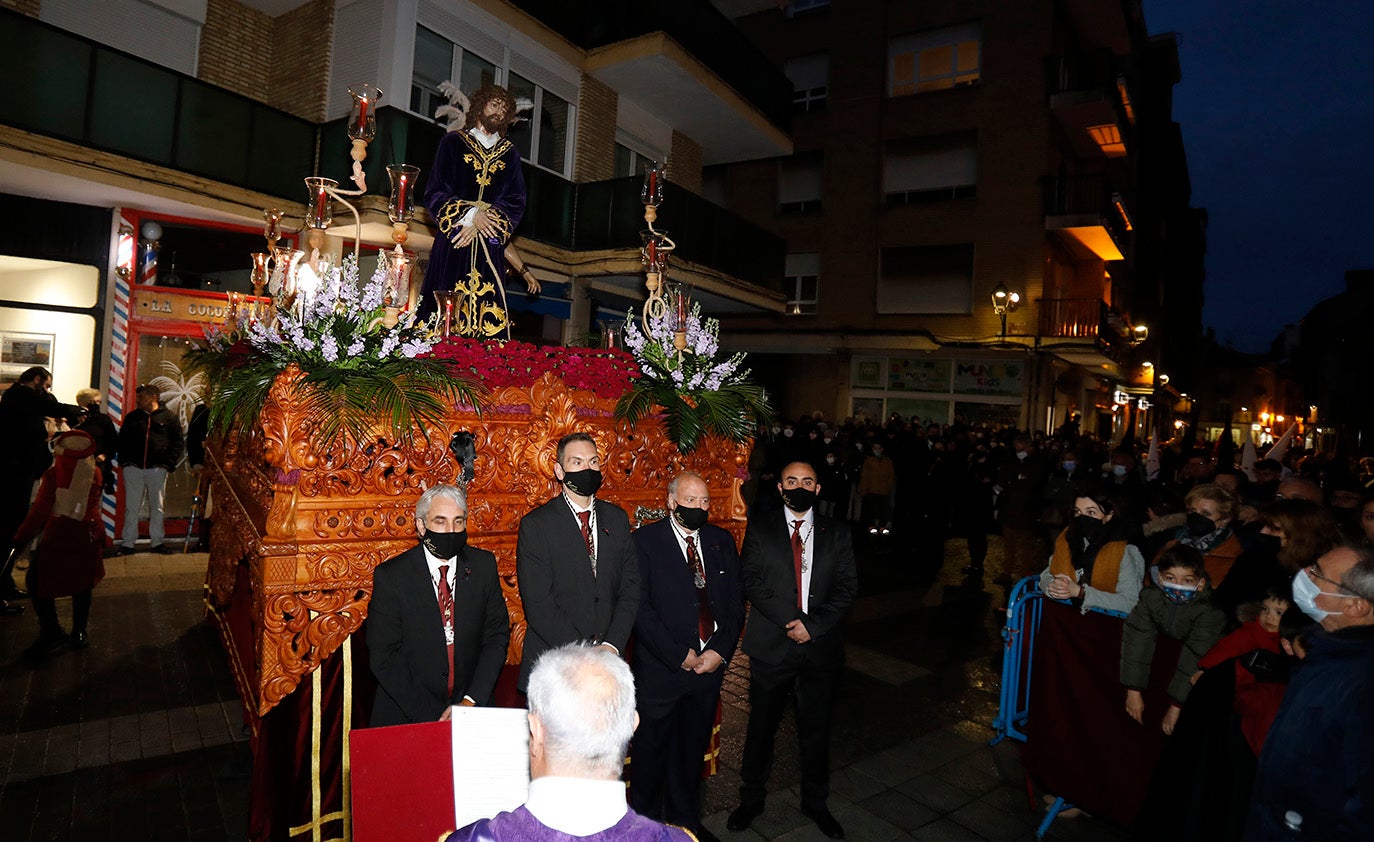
[
  {"x": 591, "y": 525},
  {"x": 450, "y": 580},
  {"x": 698, "y": 572}
]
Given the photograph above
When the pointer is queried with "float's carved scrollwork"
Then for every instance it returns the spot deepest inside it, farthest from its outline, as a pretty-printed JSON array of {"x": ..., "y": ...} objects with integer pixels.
[{"x": 312, "y": 524}]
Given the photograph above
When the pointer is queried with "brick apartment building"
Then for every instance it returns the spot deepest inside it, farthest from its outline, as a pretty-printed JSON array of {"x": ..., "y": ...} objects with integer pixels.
[{"x": 951, "y": 149}]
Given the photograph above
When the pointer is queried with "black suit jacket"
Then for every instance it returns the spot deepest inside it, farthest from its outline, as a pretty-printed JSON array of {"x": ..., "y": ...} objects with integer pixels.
[
  {"x": 770, "y": 583},
  {"x": 405, "y": 636},
  {"x": 563, "y": 601},
  {"x": 666, "y": 627}
]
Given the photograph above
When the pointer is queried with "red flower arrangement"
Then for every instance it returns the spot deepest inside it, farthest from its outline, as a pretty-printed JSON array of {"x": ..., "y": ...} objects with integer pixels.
[{"x": 605, "y": 372}]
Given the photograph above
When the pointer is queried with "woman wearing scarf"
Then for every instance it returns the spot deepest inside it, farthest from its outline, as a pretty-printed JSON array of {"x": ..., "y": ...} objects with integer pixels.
[
  {"x": 1093, "y": 565},
  {"x": 69, "y": 558},
  {"x": 1211, "y": 509}
]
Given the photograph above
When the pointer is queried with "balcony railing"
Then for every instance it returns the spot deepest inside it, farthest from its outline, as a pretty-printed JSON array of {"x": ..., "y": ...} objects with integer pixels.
[
  {"x": 1073, "y": 318},
  {"x": 695, "y": 24},
  {"x": 1088, "y": 195},
  {"x": 74, "y": 89}
]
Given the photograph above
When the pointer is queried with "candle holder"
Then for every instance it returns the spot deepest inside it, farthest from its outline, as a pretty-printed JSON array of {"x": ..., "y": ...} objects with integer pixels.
[
  {"x": 319, "y": 211},
  {"x": 613, "y": 334},
  {"x": 261, "y": 271},
  {"x": 399, "y": 265},
  {"x": 271, "y": 227},
  {"x": 657, "y": 246},
  {"x": 447, "y": 301},
  {"x": 400, "y": 204},
  {"x": 680, "y": 305},
  {"x": 362, "y": 119}
]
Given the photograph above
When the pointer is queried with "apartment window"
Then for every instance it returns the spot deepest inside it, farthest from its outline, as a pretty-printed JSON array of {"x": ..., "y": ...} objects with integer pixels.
[
  {"x": 935, "y": 60},
  {"x": 544, "y": 137},
  {"x": 917, "y": 170},
  {"x": 435, "y": 64},
  {"x": 799, "y": 184},
  {"x": 630, "y": 162},
  {"x": 810, "y": 77},
  {"x": 801, "y": 277},
  {"x": 926, "y": 279}
]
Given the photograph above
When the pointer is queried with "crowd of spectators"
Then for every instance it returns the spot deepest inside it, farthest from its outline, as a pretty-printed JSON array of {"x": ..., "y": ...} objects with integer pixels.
[{"x": 1251, "y": 566}]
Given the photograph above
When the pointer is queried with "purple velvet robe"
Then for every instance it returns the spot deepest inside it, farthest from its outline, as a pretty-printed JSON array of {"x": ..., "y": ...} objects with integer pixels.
[
  {"x": 522, "y": 826},
  {"x": 464, "y": 174}
]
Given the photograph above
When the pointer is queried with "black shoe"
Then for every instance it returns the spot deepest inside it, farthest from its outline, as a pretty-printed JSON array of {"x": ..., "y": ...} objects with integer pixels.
[
  {"x": 743, "y": 816},
  {"x": 79, "y": 640},
  {"x": 8, "y": 610},
  {"x": 46, "y": 645},
  {"x": 163, "y": 549},
  {"x": 117, "y": 550},
  {"x": 826, "y": 822},
  {"x": 14, "y": 593}
]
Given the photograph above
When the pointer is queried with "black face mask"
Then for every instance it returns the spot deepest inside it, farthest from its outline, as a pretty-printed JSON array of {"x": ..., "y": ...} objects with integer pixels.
[
  {"x": 1200, "y": 524},
  {"x": 1270, "y": 544},
  {"x": 691, "y": 519},
  {"x": 798, "y": 499},
  {"x": 445, "y": 544},
  {"x": 1090, "y": 527},
  {"x": 585, "y": 482}
]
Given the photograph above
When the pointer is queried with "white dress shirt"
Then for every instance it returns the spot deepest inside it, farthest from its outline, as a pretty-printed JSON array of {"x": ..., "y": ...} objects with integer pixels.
[
  {"x": 434, "y": 563},
  {"x": 808, "y": 533}
]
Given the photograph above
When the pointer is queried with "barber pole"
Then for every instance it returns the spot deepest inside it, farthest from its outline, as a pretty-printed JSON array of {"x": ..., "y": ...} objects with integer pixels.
[{"x": 119, "y": 335}]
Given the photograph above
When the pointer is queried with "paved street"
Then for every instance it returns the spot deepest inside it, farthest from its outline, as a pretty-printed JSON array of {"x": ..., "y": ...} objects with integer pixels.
[{"x": 140, "y": 736}]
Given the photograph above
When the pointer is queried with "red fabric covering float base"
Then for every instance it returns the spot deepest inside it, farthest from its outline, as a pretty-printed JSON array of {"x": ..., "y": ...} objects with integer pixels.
[{"x": 1081, "y": 745}]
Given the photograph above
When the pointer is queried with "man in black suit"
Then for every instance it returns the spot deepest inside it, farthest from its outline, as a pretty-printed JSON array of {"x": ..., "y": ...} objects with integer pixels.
[
  {"x": 437, "y": 627},
  {"x": 575, "y": 562},
  {"x": 800, "y": 578},
  {"x": 691, "y": 610}
]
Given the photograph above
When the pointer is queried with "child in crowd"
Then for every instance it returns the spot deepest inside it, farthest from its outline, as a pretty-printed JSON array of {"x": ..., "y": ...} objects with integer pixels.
[
  {"x": 1179, "y": 606},
  {"x": 1260, "y": 666}
]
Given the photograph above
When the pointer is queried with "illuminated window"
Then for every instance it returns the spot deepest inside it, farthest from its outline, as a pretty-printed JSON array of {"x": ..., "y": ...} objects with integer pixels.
[
  {"x": 919, "y": 170},
  {"x": 801, "y": 280},
  {"x": 934, "y": 60},
  {"x": 810, "y": 77},
  {"x": 1108, "y": 139}
]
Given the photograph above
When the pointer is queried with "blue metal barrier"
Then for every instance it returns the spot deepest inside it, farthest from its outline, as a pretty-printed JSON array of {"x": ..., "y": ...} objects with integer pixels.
[{"x": 1018, "y": 636}]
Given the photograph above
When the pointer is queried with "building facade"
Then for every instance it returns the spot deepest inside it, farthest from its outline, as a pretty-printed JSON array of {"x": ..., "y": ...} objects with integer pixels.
[
  {"x": 985, "y": 213},
  {"x": 146, "y": 137}
]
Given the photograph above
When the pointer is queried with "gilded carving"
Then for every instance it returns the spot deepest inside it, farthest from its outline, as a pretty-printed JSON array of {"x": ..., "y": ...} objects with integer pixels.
[{"x": 312, "y": 525}]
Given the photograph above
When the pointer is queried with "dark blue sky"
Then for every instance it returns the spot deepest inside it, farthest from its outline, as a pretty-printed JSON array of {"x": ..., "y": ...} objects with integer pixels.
[{"x": 1277, "y": 108}]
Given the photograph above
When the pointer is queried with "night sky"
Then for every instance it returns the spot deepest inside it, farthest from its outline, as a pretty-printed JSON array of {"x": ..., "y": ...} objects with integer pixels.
[{"x": 1276, "y": 104}]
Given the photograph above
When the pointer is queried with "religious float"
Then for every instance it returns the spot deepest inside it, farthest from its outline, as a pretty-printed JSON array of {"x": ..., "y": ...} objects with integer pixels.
[{"x": 334, "y": 408}]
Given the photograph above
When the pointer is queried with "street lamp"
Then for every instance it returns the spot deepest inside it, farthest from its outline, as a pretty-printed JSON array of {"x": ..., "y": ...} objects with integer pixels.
[{"x": 1004, "y": 302}]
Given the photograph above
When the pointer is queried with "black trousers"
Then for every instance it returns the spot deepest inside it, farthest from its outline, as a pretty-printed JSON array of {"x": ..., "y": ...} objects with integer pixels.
[
  {"x": 46, "y": 609},
  {"x": 810, "y": 681},
  {"x": 668, "y": 749},
  {"x": 15, "y": 494}
]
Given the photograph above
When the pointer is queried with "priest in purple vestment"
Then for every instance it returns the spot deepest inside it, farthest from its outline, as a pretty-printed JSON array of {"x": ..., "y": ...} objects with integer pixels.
[
  {"x": 582, "y": 714},
  {"x": 476, "y": 196}
]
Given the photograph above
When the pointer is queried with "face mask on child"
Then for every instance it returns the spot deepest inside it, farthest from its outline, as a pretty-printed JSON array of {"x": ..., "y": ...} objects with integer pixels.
[{"x": 1175, "y": 593}]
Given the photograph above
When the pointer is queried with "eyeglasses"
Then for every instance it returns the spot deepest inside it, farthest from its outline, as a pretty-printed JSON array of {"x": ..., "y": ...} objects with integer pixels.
[{"x": 1316, "y": 573}]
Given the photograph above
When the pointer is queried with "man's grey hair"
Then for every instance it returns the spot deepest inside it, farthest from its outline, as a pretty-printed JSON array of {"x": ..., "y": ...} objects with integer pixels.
[
  {"x": 584, "y": 696},
  {"x": 447, "y": 492},
  {"x": 1359, "y": 579},
  {"x": 673, "y": 484}
]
